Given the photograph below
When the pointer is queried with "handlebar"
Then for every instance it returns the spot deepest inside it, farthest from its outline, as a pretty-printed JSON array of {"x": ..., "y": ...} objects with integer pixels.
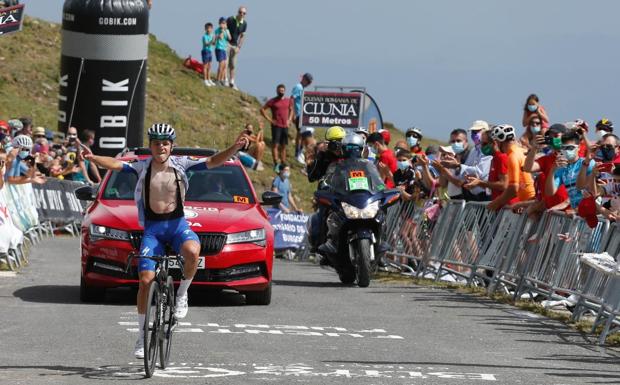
[{"x": 156, "y": 258}]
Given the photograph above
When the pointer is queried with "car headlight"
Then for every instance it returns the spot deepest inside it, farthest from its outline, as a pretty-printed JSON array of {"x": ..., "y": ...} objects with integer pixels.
[
  {"x": 252, "y": 236},
  {"x": 367, "y": 212},
  {"x": 102, "y": 232}
]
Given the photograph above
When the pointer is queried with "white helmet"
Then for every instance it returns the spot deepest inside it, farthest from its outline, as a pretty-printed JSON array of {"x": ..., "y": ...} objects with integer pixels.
[
  {"x": 415, "y": 130},
  {"x": 23, "y": 141},
  {"x": 503, "y": 132},
  {"x": 162, "y": 131}
]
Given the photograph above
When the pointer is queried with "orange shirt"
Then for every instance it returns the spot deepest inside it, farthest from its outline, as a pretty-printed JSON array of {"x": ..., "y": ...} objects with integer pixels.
[{"x": 516, "y": 176}]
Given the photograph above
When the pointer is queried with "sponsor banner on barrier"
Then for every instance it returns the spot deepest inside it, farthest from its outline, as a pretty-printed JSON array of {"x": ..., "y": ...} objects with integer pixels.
[
  {"x": 326, "y": 109},
  {"x": 289, "y": 229},
  {"x": 56, "y": 200},
  {"x": 11, "y": 19}
]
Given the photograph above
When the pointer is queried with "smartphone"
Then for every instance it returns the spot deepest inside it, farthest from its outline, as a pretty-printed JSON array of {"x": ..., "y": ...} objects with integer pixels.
[{"x": 606, "y": 167}]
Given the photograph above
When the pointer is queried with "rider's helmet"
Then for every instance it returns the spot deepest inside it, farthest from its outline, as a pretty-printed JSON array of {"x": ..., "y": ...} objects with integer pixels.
[
  {"x": 22, "y": 141},
  {"x": 335, "y": 133},
  {"x": 352, "y": 145},
  {"x": 503, "y": 132},
  {"x": 162, "y": 131}
]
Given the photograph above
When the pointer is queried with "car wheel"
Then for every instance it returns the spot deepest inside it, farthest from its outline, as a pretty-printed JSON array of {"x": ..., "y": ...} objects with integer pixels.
[
  {"x": 259, "y": 297},
  {"x": 91, "y": 294}
]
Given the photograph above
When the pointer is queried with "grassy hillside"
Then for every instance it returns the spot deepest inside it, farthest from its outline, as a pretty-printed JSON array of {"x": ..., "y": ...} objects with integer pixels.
[{"x": 204, "y": 117}]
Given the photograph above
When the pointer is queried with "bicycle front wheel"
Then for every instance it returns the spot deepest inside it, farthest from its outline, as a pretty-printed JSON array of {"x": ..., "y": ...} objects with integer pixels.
[
  {"x": 152, "y": 324},
  {"x": 168, "y": 323}
]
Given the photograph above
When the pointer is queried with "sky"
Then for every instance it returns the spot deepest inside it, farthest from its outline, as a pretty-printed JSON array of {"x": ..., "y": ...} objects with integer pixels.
[{"x": 436, "y": 65}]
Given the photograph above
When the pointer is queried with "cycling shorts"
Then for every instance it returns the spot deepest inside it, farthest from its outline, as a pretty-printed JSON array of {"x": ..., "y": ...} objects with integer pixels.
[{"x": 159, "y": 233}]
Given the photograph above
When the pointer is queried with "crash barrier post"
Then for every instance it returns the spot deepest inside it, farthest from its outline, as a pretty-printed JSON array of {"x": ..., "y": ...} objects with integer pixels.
[
  {"x": 30, "y": 211},
  {"x": 510, "y": 251}
]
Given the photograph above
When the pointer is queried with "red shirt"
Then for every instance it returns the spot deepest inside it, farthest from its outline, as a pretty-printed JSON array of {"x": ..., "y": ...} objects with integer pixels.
[
  {"x": 546, "y": 163},
  {"x": 279, "y": 110},
  {"x": 387, "y": 157},
  {"x": 499, "y": 166}
]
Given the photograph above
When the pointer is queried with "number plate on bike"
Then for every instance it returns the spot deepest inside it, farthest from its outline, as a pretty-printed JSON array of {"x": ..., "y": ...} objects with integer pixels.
[
  {"x": 358, "y": 184},
  {"x": 174, "y": 264}
]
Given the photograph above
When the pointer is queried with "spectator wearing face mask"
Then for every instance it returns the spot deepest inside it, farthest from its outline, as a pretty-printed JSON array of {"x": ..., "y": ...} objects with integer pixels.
[
  {"x": 470, "y": 161},
  {"x": 21, "y": 164},
  {"x": 386, "y": 161},
  {"x": 566, "y": 168},
  {"x": 405, "y": 175},
  {"x": 414, "y": 140},
  {"x": 534, "y": 108},
  {"x": 520, "y": 183},
  {"x": 280, "y": 119},
  {"x": 543, "y": 153},
  {"x": 533, "y": 128},
  {"x": 282, "y": 185}
]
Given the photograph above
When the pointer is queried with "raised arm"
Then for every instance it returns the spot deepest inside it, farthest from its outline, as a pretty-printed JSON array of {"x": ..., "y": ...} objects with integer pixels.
[{"x": 222, "y": 156}]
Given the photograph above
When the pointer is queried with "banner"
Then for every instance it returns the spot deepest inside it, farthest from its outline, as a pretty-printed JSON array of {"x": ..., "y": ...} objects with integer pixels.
[
  {"x": 11, "y": 19},
  {"x": 326, "y": 109},
  {"x": 289, "y": 229},
  {"x": 55, "y": 200}
]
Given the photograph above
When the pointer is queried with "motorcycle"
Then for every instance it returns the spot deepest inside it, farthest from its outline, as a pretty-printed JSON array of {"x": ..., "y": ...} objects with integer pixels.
[{"x": 354, "y": 200}]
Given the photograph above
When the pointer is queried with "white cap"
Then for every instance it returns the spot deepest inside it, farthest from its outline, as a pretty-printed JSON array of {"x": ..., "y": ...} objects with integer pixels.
[
  {"x": 479, "y": 125},
  {"x": 447, "y": 149}
]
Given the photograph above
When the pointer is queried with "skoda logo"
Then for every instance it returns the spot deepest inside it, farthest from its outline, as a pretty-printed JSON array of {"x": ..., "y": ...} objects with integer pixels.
[{"x": 190, "y": 213}]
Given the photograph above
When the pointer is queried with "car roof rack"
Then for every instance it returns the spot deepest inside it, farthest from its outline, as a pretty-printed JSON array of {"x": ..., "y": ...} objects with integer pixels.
[{"x": 189, "y": 151}]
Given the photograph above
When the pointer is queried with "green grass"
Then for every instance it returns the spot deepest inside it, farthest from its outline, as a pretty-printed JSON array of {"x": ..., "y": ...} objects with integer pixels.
[{"x": 204, "y": 116}]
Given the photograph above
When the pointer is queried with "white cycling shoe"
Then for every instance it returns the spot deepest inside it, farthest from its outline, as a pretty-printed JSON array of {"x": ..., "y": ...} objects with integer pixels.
[
  {"x": 138, "y": 350},
  {"x": 181, "y": 308}
]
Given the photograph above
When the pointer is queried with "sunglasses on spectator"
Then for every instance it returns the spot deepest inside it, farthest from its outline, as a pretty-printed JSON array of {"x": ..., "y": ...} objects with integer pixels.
[
  {"x": 414, "y": 135},
  {"x": 241, "y": 13},
  {"x": 569, "y": 147}
]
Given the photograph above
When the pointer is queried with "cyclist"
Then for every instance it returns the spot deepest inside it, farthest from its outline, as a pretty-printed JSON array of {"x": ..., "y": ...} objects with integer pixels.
[{"x": 159, "y": 195}]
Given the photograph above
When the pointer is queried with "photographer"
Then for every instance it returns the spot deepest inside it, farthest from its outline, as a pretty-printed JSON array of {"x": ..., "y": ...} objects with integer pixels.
[{"x": 20, "y": 164}]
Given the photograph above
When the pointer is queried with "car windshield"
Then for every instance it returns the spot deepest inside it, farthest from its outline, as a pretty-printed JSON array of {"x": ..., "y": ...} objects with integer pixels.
[
  {"x": 354, "y": 175},
  {"x": 222, "y": 184}
]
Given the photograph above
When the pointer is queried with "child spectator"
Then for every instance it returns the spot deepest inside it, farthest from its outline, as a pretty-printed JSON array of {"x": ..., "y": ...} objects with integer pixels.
[
  {"x": 222, "y": 36},
  {"x": 566, "y": 169},
  {"x": 520, "y": 183},
  {"x": 386, "y": 161},
  {"x": 534, "y": 108},
  {"x": 282, "y": 185},
  {"x": 208, "y": 42}
]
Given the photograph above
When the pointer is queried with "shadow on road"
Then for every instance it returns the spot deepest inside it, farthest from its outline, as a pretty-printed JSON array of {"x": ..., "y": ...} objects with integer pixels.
[
  {"x": 281, "y": 282},
  {"x": 109, "y": 372}
]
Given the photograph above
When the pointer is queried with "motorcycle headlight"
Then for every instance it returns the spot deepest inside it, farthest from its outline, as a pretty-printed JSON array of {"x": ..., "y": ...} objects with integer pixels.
[
  {"x": 252, "y": 236},
  {"x": 98, "y": 232},
  {"x": 367, "y": 212}
]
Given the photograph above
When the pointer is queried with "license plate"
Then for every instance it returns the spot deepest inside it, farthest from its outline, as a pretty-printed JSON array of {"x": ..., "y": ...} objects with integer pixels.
[{"x": 174, "y": 264}]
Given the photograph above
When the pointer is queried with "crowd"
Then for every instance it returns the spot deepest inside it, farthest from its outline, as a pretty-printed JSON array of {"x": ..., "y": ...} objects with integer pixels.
[{"x": 31, "y": 154}]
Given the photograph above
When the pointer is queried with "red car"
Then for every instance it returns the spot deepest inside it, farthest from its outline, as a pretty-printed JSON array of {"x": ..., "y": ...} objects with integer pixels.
[{"x": 222, "y": 209}]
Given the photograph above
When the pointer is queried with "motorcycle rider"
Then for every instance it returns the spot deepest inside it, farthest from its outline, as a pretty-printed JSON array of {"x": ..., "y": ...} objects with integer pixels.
[{"x": 327, "y": 152}]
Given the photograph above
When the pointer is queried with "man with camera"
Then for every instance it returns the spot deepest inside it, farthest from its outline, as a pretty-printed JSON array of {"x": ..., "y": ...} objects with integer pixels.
[{"x": 21, "y": 164}]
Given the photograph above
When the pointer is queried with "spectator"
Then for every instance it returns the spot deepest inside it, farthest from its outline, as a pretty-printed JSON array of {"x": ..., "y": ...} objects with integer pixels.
[
  {"x": 15, "y": 126},
  {"x": 520, "y": 184},
  {"x": 414, "y": 140},
  {"x": 257, "y": 142},
  {"x": 469, "y": 161},
  {"x": 387, "y": 137},
  {"x": 222, "y": 36},
  {"x": 20, "y": 164},
  {"x": 282, "y": 185},
  {"x": 280, "y": 120},
  {"x": 208, "y": 43},
  {"x": 26, "y": 126},
  {"x": 611, "y": 192},
  {"x": 609, "y": 149},
  {"x": 447, "y": 190},
  {"x": 533, "y": 107},
  {"x": 386, "y": 161},
  {"x": 5, "y": 134},
  {"x": 308, "y": 143},
  {"x": 409, "y": 179},
  {"x": 550, "y": 144},
  {"x": 237, "y": 27},
  {"x": 534, "y": 127},
  {"x": 88, "y": 169},
  {"x": 400, "y": 144},
  {"x": 498, "y": 173},
  {"x": 565, "y": 170},
  {"x": 604, "y": 127},
  {"x": 296, "y": 93}
]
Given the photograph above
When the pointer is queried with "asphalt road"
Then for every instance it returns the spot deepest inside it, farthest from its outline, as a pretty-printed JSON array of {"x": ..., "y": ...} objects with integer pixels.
[{"x": 315, "y": 331}]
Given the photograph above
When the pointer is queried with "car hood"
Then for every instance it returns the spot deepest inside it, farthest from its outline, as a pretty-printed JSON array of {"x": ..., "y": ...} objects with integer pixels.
[{"x": 202, "y": 216}]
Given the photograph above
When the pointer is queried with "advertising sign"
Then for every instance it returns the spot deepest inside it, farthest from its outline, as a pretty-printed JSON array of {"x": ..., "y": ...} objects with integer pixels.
[
  {"x": 326, "y": 109},
  {"x": 289, "y": 229},
  {"x": 11, "y": 19}
]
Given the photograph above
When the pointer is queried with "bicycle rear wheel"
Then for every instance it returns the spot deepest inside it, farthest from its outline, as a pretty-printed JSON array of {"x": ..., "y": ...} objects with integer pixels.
[
  {"x": 152, "y": 324},
  {"x": 168, "y": 324}
]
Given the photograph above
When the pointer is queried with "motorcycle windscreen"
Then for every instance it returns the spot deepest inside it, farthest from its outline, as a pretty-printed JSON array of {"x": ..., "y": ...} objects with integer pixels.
[{"x": 354, "y": 175}]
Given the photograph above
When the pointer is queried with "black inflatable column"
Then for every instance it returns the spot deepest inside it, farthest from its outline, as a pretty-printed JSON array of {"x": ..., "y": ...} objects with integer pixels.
[{"x": 103, "y": 71}]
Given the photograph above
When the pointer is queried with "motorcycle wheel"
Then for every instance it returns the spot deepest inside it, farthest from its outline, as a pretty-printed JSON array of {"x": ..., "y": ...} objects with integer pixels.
[{"x": 361, "y": 248}]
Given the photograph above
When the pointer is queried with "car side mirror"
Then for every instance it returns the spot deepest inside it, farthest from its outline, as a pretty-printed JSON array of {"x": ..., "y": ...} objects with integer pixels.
[
  {"x": 86, "y": 193},
  {"x": 271, "y": 198}
]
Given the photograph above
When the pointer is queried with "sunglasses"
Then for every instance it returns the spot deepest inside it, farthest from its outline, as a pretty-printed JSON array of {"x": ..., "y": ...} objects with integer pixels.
[
  {"x": 569, "y": 147},
  {"x": 414, "y": 135},
  {"x": 242, "y": 13}
]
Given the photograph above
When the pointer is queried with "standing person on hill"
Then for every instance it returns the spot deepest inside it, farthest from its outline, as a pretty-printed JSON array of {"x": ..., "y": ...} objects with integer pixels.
[
  {"x": 208, "y": 43},
  {"x": 280, "y": 120},
  {"x": 222, "y": 36},
  {"x": 533, "y": 107},
  {"x": 237, "y": 27},
  {"x": 296, "y": 93}
]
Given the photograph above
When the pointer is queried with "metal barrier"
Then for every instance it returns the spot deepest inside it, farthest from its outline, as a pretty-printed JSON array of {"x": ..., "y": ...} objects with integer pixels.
[{"x": 509, "y": 251}]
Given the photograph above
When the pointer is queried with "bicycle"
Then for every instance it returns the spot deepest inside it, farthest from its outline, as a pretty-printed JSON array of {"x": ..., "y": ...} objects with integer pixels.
[{"x": 159, "y": 322}]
